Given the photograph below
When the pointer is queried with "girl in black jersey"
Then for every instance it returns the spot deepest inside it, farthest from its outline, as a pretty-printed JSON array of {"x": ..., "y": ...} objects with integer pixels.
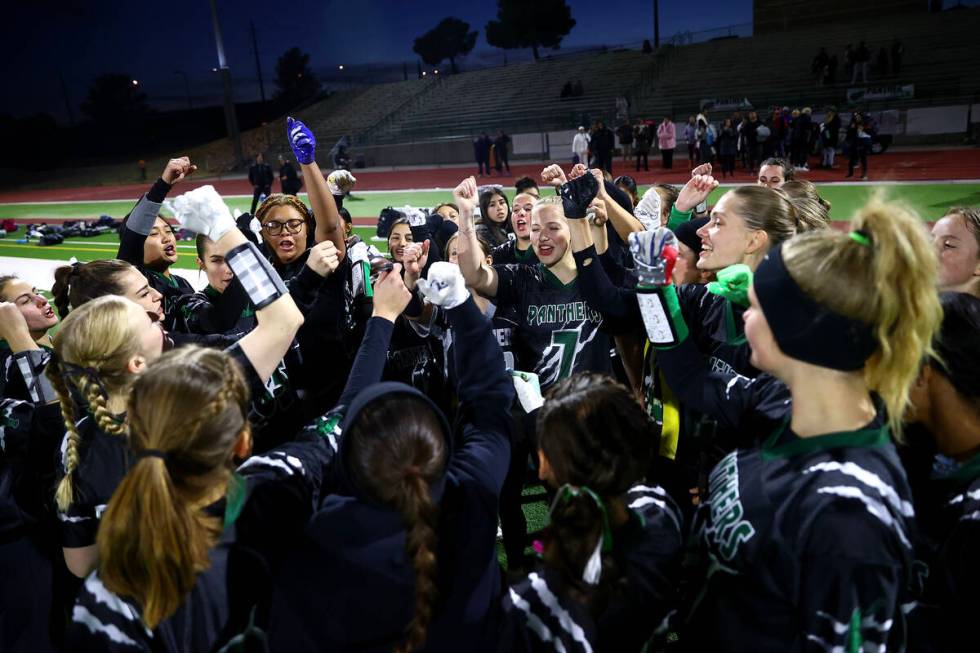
[
  {"x": 99, "y": 349},
  {"x": 187, "y": 542},
  {"x": 946, "y": 402},
  {"x": 558, "y": 333},
  {"x": 808, "y": 536},
  {"x": 147, "y": 241},
  {"x": 612, "y": 551},
  {"x": 494, "y": 225},
  {"x": 519, "y": 249}
]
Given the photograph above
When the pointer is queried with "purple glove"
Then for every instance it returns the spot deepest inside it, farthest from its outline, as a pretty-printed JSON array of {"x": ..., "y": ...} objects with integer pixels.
[{"x": 302, "y": 140}]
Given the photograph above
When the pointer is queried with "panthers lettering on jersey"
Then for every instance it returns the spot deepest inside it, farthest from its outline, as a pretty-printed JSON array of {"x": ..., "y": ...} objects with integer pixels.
[
  {"x": 807, "y": 546},
  {"x": 558, "y": 333}
]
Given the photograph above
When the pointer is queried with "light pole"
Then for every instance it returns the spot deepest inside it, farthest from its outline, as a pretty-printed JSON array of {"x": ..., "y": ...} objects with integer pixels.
[
  {"x": 187, "y": 88},
  {"x": 656, "y": 24},
  {"x": 231, "y": 121}
]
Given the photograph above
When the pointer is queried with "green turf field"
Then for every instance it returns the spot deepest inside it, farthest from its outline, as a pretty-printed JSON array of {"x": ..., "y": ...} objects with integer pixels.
[{"x": 929, "y": 200}]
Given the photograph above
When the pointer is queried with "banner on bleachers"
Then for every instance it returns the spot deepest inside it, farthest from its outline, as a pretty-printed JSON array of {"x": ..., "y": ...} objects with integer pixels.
[
  {"x": 900, "y": 91},
  {"x": 725, "y": 104}
]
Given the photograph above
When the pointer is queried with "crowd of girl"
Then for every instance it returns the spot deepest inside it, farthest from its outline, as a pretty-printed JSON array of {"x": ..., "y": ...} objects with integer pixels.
[{"x": 754, "y": 432}]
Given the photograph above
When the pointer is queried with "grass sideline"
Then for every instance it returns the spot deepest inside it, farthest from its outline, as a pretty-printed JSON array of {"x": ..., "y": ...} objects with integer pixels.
[{"x": 929, "y": 200}]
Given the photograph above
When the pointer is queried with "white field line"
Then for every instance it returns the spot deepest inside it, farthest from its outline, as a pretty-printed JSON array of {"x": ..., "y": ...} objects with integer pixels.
[
  {"x": 40, "y": 272},
  {"x": 439, "y": 189}
]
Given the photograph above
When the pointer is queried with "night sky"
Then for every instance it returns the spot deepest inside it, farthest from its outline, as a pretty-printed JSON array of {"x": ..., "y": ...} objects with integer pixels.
[{"x": 150, "y": 40}]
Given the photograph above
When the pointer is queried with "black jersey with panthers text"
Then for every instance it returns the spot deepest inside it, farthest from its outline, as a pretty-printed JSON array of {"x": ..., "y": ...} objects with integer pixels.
[
  {"x": 806, "y": 545},
  {"x": 558, "y": 333}
]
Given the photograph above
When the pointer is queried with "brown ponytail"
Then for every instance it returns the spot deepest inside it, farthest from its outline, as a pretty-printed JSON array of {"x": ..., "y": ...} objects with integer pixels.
[
  {"x": 889, "y": 283},
  {"x": 76, "y": 284},
  {"x": 189, "y": 408},
  {"x": 396, "y": 466},
  {"x": 765, "y": 209}
]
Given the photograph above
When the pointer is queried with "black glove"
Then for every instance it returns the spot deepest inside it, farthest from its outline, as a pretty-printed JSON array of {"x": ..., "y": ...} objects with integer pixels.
[{"x": 577, "y": 194}]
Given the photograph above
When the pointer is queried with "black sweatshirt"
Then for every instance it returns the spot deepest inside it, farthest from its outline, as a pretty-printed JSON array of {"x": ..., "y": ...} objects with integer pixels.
[
  {"x": 350, "y": 585},
  {"x": 131, "y": 250}
]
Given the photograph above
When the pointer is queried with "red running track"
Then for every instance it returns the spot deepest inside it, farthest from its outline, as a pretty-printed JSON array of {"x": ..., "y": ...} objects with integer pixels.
[{"x": 918, "y": 165}]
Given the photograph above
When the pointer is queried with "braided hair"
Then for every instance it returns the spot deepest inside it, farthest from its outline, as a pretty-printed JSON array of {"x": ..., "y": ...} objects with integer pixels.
[
  {"x": 396, "y": 467},
  {"x": 92, "y": 350},
  {"x": 187, "y": 414}
]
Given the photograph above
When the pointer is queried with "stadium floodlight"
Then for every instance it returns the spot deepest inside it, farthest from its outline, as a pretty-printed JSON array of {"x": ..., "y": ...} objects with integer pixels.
[
  {"x": 341, "y": 66},
  {"x": 136, "y": 82},
  {"x": 231, "y": 120}
]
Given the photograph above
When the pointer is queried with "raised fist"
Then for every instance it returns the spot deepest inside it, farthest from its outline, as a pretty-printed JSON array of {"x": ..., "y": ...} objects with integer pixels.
[
  {"x": 340, "y": 182},
  {"x": 553, "y": 175},
  {"x": 302, "y": 140},
  {"x": 444, "y": 286},
  {"x": 177, "y": 169},
  {"x": 655, "y": 253},
  {"x": 465, "y": 195}
]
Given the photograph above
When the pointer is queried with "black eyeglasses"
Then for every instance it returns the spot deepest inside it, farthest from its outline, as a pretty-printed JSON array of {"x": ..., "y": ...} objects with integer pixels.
[{"x": 274, "y": 227}]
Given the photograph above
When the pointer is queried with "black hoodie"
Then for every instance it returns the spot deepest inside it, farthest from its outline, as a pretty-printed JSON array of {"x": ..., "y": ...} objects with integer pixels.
[{"x": 350, "y": 585}]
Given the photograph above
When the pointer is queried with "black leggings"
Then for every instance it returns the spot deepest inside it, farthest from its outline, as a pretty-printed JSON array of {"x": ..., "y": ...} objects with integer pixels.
[
  {"x": 259, "y": 190},
  {"x": 645, "y": 154},
  {"x": 858, "y": 154},
  {"x": 668, "y": 158}
]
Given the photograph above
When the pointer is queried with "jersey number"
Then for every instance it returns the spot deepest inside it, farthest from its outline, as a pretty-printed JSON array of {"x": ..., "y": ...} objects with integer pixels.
[{"x": 567, "y": 339}]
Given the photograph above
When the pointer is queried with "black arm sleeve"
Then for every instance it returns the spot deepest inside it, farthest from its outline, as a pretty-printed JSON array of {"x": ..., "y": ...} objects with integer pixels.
[
  {"x": 612, "y": 301},
  {"x": 484, "y": 387},
  {"x": 728, "y": 398},
  {"x": 371, "y": 357}
]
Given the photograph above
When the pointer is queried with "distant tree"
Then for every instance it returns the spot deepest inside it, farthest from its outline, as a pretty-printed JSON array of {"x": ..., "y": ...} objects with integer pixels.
[
  {"x": 113, "y": 98},
  {"x": 294, "y": 77},
  {"x": 450, "y": 39},
  {"x": 539, "y": 24}
]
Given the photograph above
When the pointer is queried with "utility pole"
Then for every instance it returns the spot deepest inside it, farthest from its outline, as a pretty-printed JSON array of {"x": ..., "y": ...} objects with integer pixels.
[
  {"x": 656, "y": 24},
  {"x": 258, "y": 66},
  {"x": 64, "y": 92},
  {"x": 231, "y": 120}
]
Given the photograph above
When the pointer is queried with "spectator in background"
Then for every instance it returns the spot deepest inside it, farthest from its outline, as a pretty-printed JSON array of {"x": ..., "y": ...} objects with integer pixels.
[
  {"x": 800, "y": 139},
  {"x": 141, "y": 164},
  {"x": 642, "y": 137},
  {"x": 775, "y": 144},
  {"x": 727, "y": 147},
  {"x": 691, "y": 138},
  {"x": 603, "y": 142},
  {"x": 481, "y": 152},
  {"x": 832, "y": 66},
  {"x": 260, "y": 176},
  {"x": 527, "y": 186},
  {"x": 566, "y": 90},
  {"x": 500, "y": 151},
  {"x": 881, "y": 63},
  {"x": 577, "y": 90},
  {"x": 849, "y": 60},
  {"x": 898, "y": 50},
  {"x": 819, "y": 66},
  {"x": 750, "y": 131},
  {"x": 666, "y": 141},
  {"x": 580, "y": 147},
  {"x": 647, "y": 48},
  {"x": 625, "y": 134},
  {"x": 829, "y": 136},
  {"x": 288, "y": 179},
  {"x": 858, "y": 143},
  {"x": 862, "y": 59}
]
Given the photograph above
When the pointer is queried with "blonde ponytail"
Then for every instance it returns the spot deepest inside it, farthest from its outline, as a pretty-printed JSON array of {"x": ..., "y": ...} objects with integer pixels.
[
  {"x": 883, "y": 274},
  {"x": 186, "y": 413}
]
